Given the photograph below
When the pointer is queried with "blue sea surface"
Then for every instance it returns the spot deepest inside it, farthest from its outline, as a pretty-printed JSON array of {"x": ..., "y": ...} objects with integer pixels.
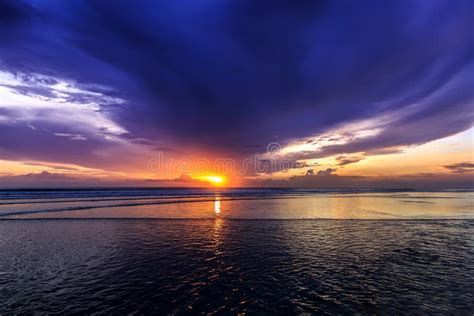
[{"x": 269, "y": 251}]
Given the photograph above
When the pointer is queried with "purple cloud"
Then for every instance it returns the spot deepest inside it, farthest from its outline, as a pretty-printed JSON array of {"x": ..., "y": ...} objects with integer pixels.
[{"x": 224, "y": 77}]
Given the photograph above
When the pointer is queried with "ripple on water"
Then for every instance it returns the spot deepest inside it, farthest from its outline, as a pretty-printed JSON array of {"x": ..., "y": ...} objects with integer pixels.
[{"x": 273, "y": 266}]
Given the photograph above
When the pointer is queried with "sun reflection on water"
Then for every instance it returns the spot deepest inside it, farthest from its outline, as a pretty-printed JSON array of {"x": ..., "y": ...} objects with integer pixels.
[{"x": 217, "y": 206}]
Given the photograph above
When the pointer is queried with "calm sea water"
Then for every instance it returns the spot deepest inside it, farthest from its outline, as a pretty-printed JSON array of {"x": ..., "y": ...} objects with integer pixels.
[{"x": 234, "y": 251}]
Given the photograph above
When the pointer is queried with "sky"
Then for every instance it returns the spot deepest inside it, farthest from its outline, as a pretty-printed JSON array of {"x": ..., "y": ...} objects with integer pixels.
[{"x": 271, "y": 93}]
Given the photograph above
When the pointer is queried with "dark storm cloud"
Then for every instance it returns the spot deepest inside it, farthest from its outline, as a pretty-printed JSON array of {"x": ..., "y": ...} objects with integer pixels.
[
  {"x": 463, "y": 167},
  {"x": 326, "y": 172},
  {"x": 36, "y": 164},
  {"x": 343, "y": 160},
  {"x": 225, "y": 75}
]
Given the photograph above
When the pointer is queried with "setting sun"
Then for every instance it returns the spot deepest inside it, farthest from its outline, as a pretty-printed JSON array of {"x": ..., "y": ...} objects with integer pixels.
[
  {"x": 216, "y": 180},
  {"x": 212, "y": 179}
]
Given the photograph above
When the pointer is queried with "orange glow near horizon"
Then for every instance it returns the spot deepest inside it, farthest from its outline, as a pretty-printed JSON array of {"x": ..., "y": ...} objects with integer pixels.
[{"x": 431, "y": 158}]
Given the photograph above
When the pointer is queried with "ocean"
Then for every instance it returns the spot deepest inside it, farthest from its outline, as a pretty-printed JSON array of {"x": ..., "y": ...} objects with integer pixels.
[{"x": 230, "y": 251}]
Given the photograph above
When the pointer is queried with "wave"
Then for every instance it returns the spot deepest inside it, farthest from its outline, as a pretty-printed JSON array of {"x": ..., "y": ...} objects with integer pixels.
[{"x": 88, "y": 207}]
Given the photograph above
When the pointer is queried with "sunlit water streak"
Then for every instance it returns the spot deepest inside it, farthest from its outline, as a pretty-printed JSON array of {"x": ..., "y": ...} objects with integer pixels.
[
  {"x": 239, "y": 204},
  {"x": 255, "y": 252}
]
